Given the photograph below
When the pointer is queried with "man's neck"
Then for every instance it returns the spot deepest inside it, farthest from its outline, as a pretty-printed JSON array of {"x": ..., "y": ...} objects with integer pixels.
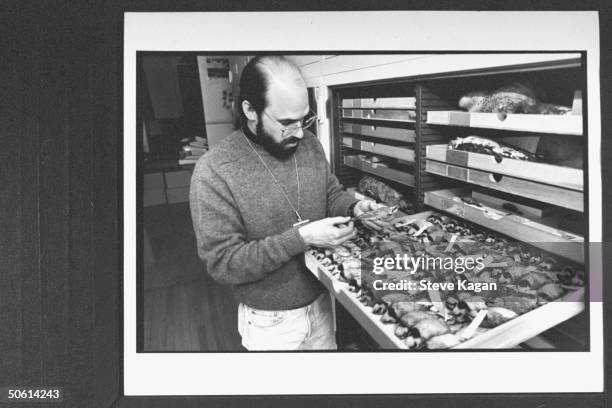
[{"x": 249, "y": 133}]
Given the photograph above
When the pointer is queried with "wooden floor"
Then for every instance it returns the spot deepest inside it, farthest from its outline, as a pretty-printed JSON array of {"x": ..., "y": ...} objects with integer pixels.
[
  {"x": 190, "y": 316},
  {"x": 184, "y": 309}
]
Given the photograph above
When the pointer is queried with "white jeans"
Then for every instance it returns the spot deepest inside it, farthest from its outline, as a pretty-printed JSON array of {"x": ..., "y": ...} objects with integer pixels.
[{"x": 308, "y": 328}]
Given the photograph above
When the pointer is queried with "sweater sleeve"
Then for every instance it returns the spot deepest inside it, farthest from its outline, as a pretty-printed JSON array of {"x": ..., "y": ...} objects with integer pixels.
[
  {"x": 338, "y": 200},
  {"x": 221, "y": 237}
]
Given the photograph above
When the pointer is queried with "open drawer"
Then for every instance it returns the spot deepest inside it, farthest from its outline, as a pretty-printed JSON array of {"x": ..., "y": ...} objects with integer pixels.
[
  {"x": 536, "y": 233},
  {"x": 529, "y": 325},
  {"x": 539, "y": 172},
  {"x": 380, "y": 332},
  {"x": 398, "y": 152},
  {"x": 506, "y": 335},
  {"x": 557, "y": 124},
  {"x": 381, "y": 132},
  {"x": 562, "y": 197}
]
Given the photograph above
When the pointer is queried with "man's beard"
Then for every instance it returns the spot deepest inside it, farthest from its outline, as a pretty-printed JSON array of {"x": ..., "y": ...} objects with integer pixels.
[{"x": 279, "y": 150}]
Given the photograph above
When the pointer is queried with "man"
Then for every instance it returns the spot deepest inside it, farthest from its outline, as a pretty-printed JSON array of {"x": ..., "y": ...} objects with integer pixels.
[{"x": 263, "y": 196}]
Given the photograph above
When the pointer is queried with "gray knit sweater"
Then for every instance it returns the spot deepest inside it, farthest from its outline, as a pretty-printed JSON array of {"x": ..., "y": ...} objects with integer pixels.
[{"x": 244, "y": 225}]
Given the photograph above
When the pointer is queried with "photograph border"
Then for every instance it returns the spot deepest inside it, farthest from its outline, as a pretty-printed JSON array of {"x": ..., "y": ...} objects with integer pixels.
[{"x": 361, "y": 396}]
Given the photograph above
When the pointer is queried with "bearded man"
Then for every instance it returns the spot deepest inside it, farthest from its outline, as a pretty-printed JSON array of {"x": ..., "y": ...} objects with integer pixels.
[{"x": 259, "y": 199}]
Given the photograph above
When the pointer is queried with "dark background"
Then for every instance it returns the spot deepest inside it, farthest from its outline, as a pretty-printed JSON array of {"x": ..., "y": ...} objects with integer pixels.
[{"x": 60, "y": 201}]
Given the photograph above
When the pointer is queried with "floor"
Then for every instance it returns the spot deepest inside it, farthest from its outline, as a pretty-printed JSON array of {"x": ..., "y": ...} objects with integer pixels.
[{"x": 184, "y": 309}]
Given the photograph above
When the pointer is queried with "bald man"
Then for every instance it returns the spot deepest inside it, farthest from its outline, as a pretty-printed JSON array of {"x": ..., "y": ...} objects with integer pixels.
[{"x": 263, "y": 196}]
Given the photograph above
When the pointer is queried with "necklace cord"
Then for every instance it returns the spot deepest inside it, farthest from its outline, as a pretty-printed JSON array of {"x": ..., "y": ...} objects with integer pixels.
[{"x": 282, "y": 190}]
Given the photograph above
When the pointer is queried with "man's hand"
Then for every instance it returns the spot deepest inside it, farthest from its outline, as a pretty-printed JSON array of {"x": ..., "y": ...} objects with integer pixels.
[
  {"x": 365, "y": 206},
  {"x": 328, "y": 232}
]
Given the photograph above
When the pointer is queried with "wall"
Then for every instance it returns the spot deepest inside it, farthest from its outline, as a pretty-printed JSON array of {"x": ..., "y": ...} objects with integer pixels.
[
  {"x": 162, "y": 81},
  {"x": 216, "y": 94}
]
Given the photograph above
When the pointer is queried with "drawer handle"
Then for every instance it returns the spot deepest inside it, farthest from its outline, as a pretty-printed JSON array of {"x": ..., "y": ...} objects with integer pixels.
[
  {"x": 498, "y": 158},
  {"x": 495, "y": 177}
]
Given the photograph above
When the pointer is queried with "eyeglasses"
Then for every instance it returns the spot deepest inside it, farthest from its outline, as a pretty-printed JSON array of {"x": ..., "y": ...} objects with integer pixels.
[{"x": 291, "y": 130}]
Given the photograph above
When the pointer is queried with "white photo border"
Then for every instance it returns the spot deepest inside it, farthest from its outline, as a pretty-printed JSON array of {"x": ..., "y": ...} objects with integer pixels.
[{"x": 340, "y": 373}]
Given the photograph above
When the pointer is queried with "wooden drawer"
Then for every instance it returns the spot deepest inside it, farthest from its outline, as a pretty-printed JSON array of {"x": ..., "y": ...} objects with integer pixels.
[
  {"x": 380, "y": 103},
  {"x": 402, "y": 153},
  {"x": 540, "y": 172},
  {"x": 542, "y": 192},
  {"x": 400, "y": 135},
  {"x": 530, "y": 324},
  {"x": 538, "y": 234},
  {"x": 507, "y": 335},
  {"x": 517, "y": 205},
  {"x": 381, "y": 171},
  {"x": 380, "y": 332},
  {"x": 395, "y": 115},
  {"x": 557, "y": 124}
]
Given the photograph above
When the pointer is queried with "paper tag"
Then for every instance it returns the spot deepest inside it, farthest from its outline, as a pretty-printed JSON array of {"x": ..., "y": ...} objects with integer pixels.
[
  {"x": 301, "y": 223},
  {"x": 436, "y": 300},
  {"x": 451, "y": 243},
  {"x": 426, "y": 225},
  {"x": 469, "y": 331}
]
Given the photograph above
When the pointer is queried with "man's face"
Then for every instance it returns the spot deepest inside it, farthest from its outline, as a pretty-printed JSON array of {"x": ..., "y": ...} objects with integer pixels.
[{"x": 287, "y": 105}]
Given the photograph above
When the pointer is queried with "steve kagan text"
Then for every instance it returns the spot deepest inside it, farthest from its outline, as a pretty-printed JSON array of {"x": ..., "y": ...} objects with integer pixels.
[{"x": 424, "y": 284}]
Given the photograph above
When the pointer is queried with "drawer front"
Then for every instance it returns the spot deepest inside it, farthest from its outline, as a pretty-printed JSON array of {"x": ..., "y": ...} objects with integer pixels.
[
  {"x": 400, "y": 135},
  {"x": 550, "y": 239},
  {"x": 557, "y": 124},
  {"x": 448, "y": 118},
  {"x": 384, "y": 172},
  {"x": 539, "y": 172},
  {"x": 542, "y": 192},
  {"x": 378, "y": 103},
  {"x": 379, "y": 148},
  {"x": 380, "y": 114}
]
